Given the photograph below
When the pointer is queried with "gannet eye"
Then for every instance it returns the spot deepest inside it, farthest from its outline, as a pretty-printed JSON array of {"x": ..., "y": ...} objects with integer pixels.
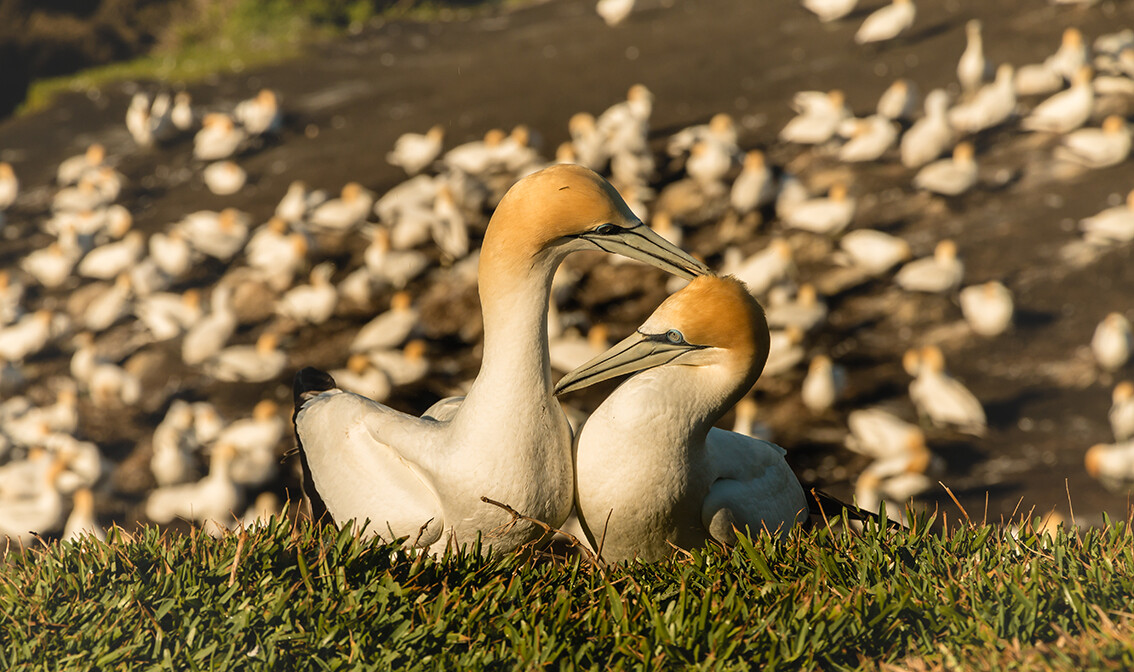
[
  {"x": 674, "y": 336},
  {"x": 605, "y": 229}
]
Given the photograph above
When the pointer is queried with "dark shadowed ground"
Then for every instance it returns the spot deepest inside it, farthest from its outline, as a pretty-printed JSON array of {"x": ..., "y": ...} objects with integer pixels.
[{"x": 349, "y": 100}]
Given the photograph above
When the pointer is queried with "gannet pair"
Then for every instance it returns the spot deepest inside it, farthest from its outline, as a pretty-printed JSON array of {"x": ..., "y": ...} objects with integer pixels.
[{"x": 422, "y": 479}]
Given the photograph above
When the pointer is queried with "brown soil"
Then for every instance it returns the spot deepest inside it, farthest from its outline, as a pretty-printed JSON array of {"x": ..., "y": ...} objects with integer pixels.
[{"x": 347, "y": 102}]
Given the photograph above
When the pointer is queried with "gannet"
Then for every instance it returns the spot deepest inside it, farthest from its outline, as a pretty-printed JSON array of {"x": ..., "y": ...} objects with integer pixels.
[
  {"x": 818, "y": 119},
  {"x": 826, "y": 215},
  {"x": 1121, "y": 415},
  {"x": 254, "y": 441},
  {"x": 40, "y": 512},
  {"x": 994, "y": 104},
  {"x": 721, "y": 130},
  {"x": 313, "y": 303},
  {"x": 182, "y": 115},
  {"x": 1113, "y": 225},
  {"x": 112, "y": 303},
  {"x": 297, "y": 202},
  {"x": 84, "y": 196},
  {"x": 219, "y": 138},
  {"x": 209, "y": 334},
  {"x": 1071, "y": 56},
  {"x": 873, "y": 251},
  {"x": 1037, "y": 79},
  {"x": 949, "y": 177},
  {"x": 29, "y": 335},
  {"x": 823, "y": 384},
  {"x": 113, "y": 386},
  {"x": 614, "y": 12},
  {"x": 709, "y": 162},
  {"x": 363, "y": 378},
  {"x": 987, "y": 308},
  {"x": 652, "y": 471},
  {"x": 174, "y": 446},
  {"x": 422, "y": 478},
  {"x": 72, "y": 169},
  {"x": 260, "y": 115},
  {"x": 215, "y": 497},
  {"x": 879, "y": 434},
  {"x": 746, "y": 422},
  {"x": 389, "y": 329},
  {"x": 249, "y": 363},
  {"x": 115, "y": 258},
  {"x": 870, "y": 139},
  {"x": 806, "y": 312},
  {"x": 887, "y": 23},
  {"x": 224, "y": 178},
  {"x": 1097, "y": 147},
  {"x": 393, "y": 267},
  {"x": 785, "y": 351},
  {"x": 81, "y": 521},
  {"x": 894, "y": 480},
  {"x": 973, "y": 68},
  {"x": 929, "y": 136},
  {"x": 830, "y": 10},
  {"x": 415, "y": 151},
  {"x": 755, "y": 186},
  {"x": 1112, "y": 342},
  {"x": 1111, "y": 463},
  {"x": 403, "y": 367},
  {"x": 168, "y": 315},
  {"x": 586, "y": 141},
  {"x": 1066, "y": 110},
  {"x": 9, "y": 186},
  {"x": 171, "y": 253},
  {"x": 762, "y": 270},
  {"x": 345, "y": 212},
  {"x": 220, "y": 235},
  {"x": 939, "y": 396},
  {"x": 898, "y": 101},
  {"x": 940, "y": 273}
]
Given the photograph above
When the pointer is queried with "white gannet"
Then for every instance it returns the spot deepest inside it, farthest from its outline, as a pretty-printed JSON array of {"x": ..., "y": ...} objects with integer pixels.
[
  {"x": 1113, "y": 225},
  {"x": 721, "y": 130},
  {"x": 1111, "y": 463},
  {"x": 830, "y": 10},
  {"x": 938, "y": 274},
  {"x": 824, "y": 383},
  {"x": 949, "y": 177},
  {"x": 1097, "y": 147},
  {"x": 893, "y": 480},
  {"x": 389, "y": 329},
  {"x": 84, "y": 196},
  {"x": 114, "y": 259},
  {"x": 39, "y": 512},
  {"x": 449, "y": 227},
  {"x": 879, "y": 434},
  {"x": 1121, "y": 414},
  {"x": 973, "y": 69},
  {"x": 112, "y": 303},
  {"x": 819, "y": 117},
  {"x": 224, "y": 178},
  {"x": 826, "y": 215},
  {"x": 9, "y": 186},
  {"x": 297, "y": 202},
  {"x": 249, "y": 363},
  {"x": 81, "y": 521},
  {"x": 219, "y": 138},
  {"x": 260, "y": 115},
  {"x": 423, "y": 479},
  {"x": 1072, "y": 55},
  {"x": 182, "y": 115},
  {"x": 931, "y": 135},
  {"x": 403, "y": 367},
  {"x": 887, "y": 22},
  {"x": 993, "y": 105},
  {"x": 175, "y": 444},
  {"x": 207, "y": 422},
  {"x": 215, "y": 497},
  {"x": 113, "y": 386},
  {"x": 755, "y": 186},
  {"x": 1036, "y": 79},
  {"x": 393, "y": 267},
  {"x": 1066, "y": 110},
  {"x": 72, "y": 169},
  {"x": 254, "y": 441},
  {"x": 363, "y": 378},
  {"x": 414, "y": 152},
  {"x": 898, "y": 101},
  {"x": 29, "y": 335},
  {"x": 172, "y": 253},
  {"x": 747, "y": 423},
  {"x": 987, "y": 308},
  {"x": 345, "y": 212},
  {"x": 870, "y": 139},
  {"x": 652, "y": 471},
  {"x": 211, "y": 332},
  {"x": 709, "y": 162},
  {"x": 614, "y": 12},
  {"x": 785, "y": 351},
  {"x": 220, "y": 235},
  {"x": 168, "y": 315},
  {"x": 313, "y": 303},
  {"x": 1112, "y": 342},
  {"x": 51, "y": 266},
  {"x": 873, "y": 251},
  {"x": 806, "y": 312},
  {"x": 762, "y": 270},
  {"x": 939, "y": 396}
]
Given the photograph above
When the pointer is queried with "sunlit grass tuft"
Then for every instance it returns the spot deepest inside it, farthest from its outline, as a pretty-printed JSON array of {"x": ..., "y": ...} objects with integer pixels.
[{"x": 977, "y": 597}]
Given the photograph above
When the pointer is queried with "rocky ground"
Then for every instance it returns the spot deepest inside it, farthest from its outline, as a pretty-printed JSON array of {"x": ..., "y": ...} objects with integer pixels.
[{"x": 348, "y": 101}]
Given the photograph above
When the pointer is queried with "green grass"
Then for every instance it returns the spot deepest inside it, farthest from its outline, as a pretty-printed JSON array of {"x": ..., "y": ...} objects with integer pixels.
[
  {"x": 228, "y": 36},
  {"x": 318, "y": 598}
]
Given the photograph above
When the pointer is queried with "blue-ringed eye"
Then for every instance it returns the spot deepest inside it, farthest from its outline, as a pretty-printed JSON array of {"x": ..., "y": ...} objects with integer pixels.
[
  {"x": 674, "y": 336},
  {"x": 605, "y": 229}
]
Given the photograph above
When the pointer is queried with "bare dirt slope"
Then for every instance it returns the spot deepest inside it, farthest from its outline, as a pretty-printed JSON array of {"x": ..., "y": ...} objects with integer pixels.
[{"x": 349, "y": 100}]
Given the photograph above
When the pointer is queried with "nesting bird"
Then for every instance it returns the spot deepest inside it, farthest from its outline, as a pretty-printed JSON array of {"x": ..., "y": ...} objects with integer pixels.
[
  {"x": 887, "y": 23},
  {"x": 1112, "y": 342}
]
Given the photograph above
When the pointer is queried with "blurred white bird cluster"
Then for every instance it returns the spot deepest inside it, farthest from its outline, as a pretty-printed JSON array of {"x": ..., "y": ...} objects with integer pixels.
[{"x": 215, "y": 300}]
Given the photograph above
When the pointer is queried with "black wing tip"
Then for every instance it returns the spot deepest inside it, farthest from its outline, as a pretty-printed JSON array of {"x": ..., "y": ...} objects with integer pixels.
[{"x": 309, "y": 380}]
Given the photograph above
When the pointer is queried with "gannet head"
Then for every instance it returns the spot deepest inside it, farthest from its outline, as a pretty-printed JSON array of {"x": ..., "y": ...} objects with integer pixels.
[
  {"x": 712, "y": 321},
  {"x": 1122, "y": 392},
  {"x": 265, "y": 409},
  {"x": 1113, "y": 124},
  {"x": 566, "y": 208}
]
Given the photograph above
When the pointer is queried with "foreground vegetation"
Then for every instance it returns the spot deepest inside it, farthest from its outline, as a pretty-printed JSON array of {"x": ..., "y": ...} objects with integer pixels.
[
  {"x": 318, "y": 598},
  {"x": 205, "y": 38}
]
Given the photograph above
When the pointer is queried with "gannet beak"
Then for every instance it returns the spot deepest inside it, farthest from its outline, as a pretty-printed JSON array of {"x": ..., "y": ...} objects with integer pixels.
[
  {"x": 637, "y": 352},
  {"x": 641, "y": 243}
]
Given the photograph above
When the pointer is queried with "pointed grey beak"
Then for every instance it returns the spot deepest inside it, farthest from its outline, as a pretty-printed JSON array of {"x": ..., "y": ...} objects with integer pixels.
[
  {"x": 637, "y": 352},
  {"x": 641, "y": 243}
]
